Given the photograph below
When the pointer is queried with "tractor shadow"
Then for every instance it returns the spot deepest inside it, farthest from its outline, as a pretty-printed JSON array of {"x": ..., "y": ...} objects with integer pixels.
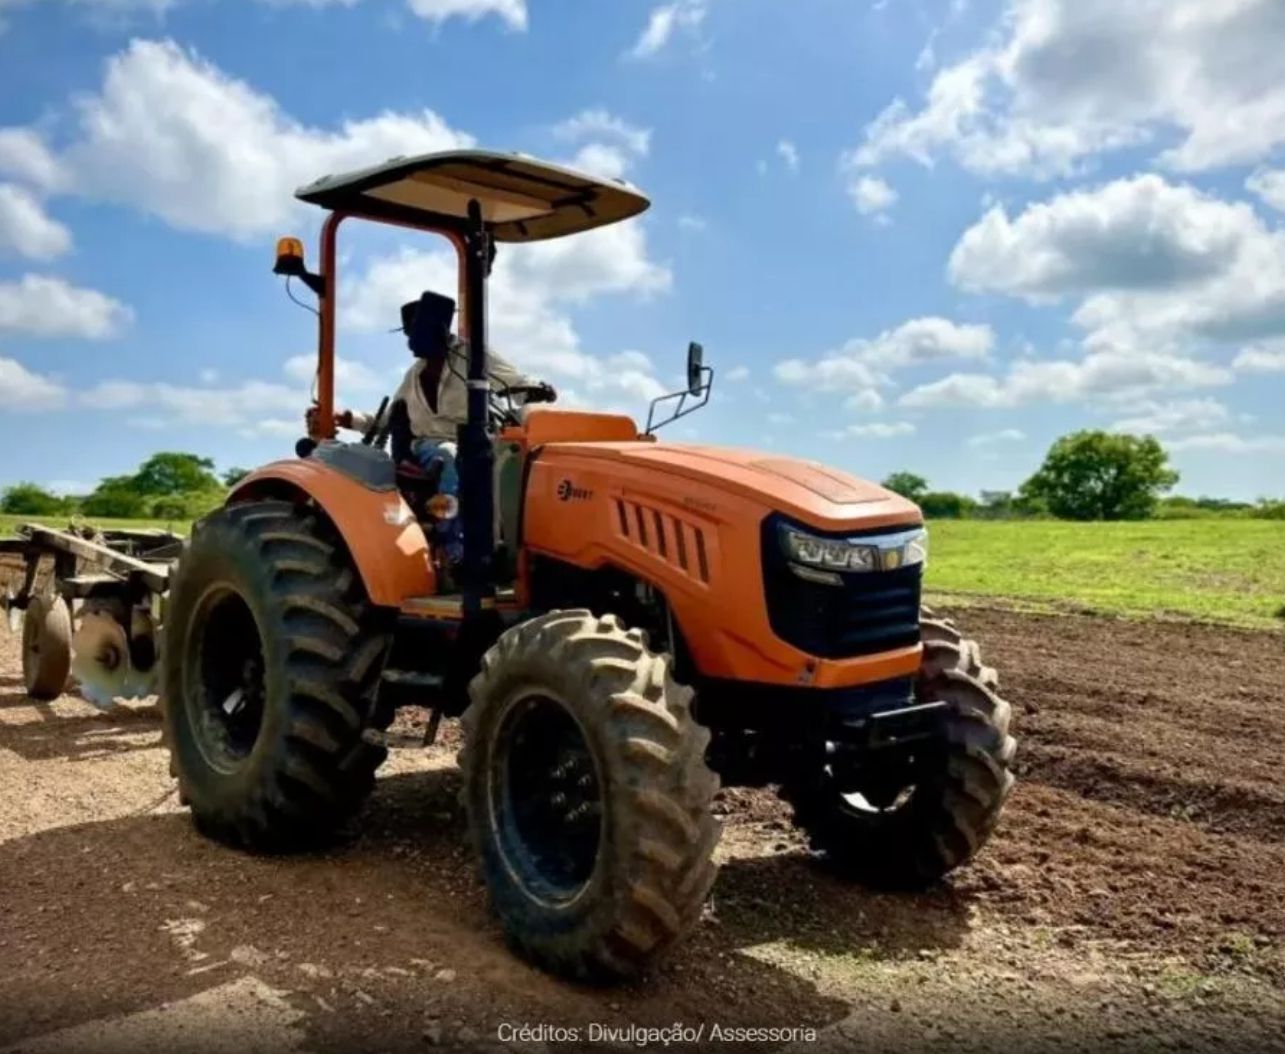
[
  {"x": 53, "y": 733},
  {"x": 120, "y": 915}
]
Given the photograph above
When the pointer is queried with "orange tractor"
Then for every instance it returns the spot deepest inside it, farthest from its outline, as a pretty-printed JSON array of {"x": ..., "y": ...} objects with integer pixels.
[{"x": 635, "y": 620}]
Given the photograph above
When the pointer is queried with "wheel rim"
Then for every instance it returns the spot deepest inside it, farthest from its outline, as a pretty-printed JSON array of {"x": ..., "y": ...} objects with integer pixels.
[
  {"x": 225, "y": 686},
  {"x": 546, "y": 799}
]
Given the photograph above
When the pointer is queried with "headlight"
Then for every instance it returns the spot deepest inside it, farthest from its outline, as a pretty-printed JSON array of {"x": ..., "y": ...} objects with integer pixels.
[{"x": 867, "y": 553}]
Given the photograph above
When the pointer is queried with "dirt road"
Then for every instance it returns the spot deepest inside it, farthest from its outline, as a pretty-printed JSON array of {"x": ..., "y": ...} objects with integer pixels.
[{"x": 1134, "y": 897}]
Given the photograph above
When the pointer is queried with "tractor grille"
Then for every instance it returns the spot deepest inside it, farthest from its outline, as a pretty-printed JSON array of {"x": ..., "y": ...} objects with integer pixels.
[{"x": 868, "y": 613}]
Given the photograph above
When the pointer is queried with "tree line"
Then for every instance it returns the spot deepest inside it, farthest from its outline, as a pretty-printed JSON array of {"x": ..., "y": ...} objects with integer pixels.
[
  {"x": 167, "y": 486},
  {"x": 1088, "y": 475}
]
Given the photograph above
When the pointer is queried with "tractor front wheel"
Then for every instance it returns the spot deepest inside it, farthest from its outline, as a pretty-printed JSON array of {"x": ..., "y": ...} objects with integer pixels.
[
  {"x": 272, "y": 660},
  {"x": 906, "y": 829},
  {"x": 588, "y": 795}
]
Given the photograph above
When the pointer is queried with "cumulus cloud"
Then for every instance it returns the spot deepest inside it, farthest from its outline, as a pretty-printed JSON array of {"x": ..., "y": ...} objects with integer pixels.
[
  {"x": 532, "y": 292},
  {"x": 24, "y": 156},
  {"x": 26, "y": 229},
  {"x": 245, "y": 407},
  {"x": 23, "y": 391},
  {"x": 1097, "y": 377},
  {"x": 1230, "y": 443},
  {"x": 880, "y": 430},
  {"x": 1157, "y": 265},
  {"x": 861, "y": 366},
  {"x": 789, "y": 154},
  {"x": 43, "y": 306},
  {"x": 664, "y": 22},
  {"x": 1005, "y": 435},
  {"x": 1061, "y": 80},
  {"x": 512, "y": 12},
  {"x": 1269, "y": 185},
  {"x": 871, "y": 195},
  {"x": 609, "y": 145},
  {"x": 1183, "y": 415},
  {"x": 1260, "y": 359},
  {"x": 156, "y": 137}
]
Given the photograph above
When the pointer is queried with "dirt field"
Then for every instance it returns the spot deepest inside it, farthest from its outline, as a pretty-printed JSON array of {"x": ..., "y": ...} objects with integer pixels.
[{"x": 1134, "y": 897}]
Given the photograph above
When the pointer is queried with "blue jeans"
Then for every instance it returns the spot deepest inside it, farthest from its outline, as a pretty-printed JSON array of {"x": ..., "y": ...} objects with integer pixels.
[{"x": 448, "y": 532}]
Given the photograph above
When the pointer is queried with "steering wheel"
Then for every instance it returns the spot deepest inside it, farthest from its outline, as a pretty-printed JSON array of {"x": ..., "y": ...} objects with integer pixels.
[
  {"x": 377, "y": 430},
  {"x": 529, "y": 393}
]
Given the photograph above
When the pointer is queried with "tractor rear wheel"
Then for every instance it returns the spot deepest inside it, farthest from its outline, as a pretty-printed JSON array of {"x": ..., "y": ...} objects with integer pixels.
[
  {"x": 588, "y": 795},
  {"x": 272, "y": 660},
  {"x": 46, "y": 647},
  {"x": 909, "y": 829}
]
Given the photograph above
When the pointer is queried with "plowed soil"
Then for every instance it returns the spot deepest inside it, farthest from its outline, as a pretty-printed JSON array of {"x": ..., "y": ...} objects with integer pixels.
[{"x": 1133, "y": 897}]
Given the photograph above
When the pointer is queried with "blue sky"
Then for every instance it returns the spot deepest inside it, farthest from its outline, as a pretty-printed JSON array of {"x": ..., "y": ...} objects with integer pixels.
[{"x": 927, "y": 235}]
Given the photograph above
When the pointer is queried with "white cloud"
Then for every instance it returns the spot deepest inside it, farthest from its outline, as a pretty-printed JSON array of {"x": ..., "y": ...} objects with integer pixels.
[
  {"x": 1229, "y": 443},
  {"x": 1269, "y": 184},
  {"x": 1156, "y": 264},
  {"x": 531, "y": 293},
  {"x": 42, "y": 306},
  {"x": 689, "y": 222},
  {"x": 609, "y": 145},
  {"x": 25, "y": 228},
  {"x": 350, "y": 375},
  {"x": 597, "y": 123},
  {"x": 171, "y": 134},
  {"x": 664, "y": 21},
  {"x": 163, "y": 405},
  {"x": 1181, "y": 416},
  {"x": 861, "y": 366},
  {"x": 23, "y": 391},
  {"x": 789, "y": 154},
  {"x": 871, "y": 195},
  {"x": 512, "y": 12},
  {"x": 737, "y": 373},
  {"x": 880, "y": 430},
  {"x": 1061, "y": 80},
  {"x": 1006, "y": 435},
  {"x": 1098, "y": 376},
  {"x": 24, "y": 156},
  {"x": 1260, "y": 359}
]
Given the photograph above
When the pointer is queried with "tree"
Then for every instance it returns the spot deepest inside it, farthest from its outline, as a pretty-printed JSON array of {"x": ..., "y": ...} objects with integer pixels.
[
  {"x": 173, "y": 473},
  {"x": 233, "y": 476},
  {"x": 907, "y": 484},
  {"x": 1092, "y": 475},
  {"x": 116, "y": 496},
  {"x": 31, "y": 499},
  {"x": 946, "y": 505}
]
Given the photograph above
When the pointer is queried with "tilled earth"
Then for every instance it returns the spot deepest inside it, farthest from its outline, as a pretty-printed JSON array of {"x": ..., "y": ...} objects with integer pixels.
[{"x": 1133, "y": 898}]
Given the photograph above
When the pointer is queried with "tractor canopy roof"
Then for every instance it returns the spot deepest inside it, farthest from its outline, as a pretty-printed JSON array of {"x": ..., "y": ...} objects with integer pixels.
[{"x": 522, "y": 199}]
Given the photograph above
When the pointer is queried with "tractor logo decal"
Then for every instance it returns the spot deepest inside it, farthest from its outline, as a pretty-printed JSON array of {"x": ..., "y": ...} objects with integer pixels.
[{"x": 568, "y": 491}]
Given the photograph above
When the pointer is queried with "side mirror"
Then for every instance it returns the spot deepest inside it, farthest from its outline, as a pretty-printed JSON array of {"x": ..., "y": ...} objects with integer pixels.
[
  {"x": 695, "y": 360},
  {"x": 290, "y": 258}
]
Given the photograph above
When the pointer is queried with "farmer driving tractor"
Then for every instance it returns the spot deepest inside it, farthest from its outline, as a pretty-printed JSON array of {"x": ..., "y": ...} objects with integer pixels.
[{"x": 431, "y": 403}]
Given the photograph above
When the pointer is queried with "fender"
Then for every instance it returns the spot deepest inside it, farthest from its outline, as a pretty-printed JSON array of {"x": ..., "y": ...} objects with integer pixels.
[{"x": 387, "y": 545}]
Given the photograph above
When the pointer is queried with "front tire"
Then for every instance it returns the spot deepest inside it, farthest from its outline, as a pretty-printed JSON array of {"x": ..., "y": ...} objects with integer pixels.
[
  {"x": 272, "y": 661},
  {"x": 959, "y": 788},
  {"x": 588, "y": 795}
]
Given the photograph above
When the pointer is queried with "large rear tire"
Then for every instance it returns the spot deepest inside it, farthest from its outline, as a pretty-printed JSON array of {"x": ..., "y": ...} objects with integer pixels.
[
  {"x": 272, "y": 660},
  {"x": 948, "y": 808},
  {"x": 588, "y": 796},
  {"x": 46, "y": 647}
]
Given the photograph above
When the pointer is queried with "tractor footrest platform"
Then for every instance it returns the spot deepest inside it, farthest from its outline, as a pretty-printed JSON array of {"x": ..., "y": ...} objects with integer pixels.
[{"x": 894, "y": 728}]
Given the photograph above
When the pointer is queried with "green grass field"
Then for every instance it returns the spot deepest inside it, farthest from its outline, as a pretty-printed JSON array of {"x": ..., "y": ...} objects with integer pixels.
[{"x": 1228, "y": 570}]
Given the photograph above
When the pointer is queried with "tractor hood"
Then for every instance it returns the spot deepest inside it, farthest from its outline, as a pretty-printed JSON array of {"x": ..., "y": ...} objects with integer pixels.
[{"x": 812, "y": 493}]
